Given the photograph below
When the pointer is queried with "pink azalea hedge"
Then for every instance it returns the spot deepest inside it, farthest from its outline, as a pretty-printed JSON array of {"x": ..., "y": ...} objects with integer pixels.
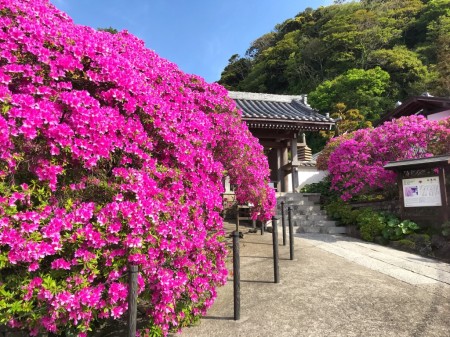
[
  {"x": 110, "y": 155},
  {"x": 356, "y": 163}
]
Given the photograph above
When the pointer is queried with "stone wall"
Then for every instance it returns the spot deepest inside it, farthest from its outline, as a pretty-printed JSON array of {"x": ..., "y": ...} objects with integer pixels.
[
  {"x": 424, "y": 216},
  {"x": 391, "y": 206}
]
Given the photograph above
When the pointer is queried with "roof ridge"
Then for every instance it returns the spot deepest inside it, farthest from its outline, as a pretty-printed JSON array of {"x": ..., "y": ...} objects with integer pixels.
[{"x": 255, "y": 96}]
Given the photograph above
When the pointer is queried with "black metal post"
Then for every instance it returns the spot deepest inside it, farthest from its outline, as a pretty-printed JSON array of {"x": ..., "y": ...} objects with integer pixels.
[
  {"x": 132, "y": 300},
  {"x": 236, "y": 277},
  {"x": 237, "y": 218},
  {"x": 283, "y": 223},
  {"x": 291, "y": 234},
  {"x": 262, "y": 227},
  {"x": 276, "y": 268}
]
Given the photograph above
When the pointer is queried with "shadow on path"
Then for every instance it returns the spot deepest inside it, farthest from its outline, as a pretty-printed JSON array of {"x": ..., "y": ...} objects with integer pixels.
[
  {"x": 255, "y": 281},
  {"x": 218, "y": 318}
]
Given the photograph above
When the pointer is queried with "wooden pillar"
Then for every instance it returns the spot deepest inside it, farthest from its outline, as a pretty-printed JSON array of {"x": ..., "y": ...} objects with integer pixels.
[
  {"x": 294, "y": 163},
  {"x": 272, "y": 156},
  {"x": 284, "y": 161},
  {"x": 444, "y": 197},
  {"x": 400, "y": 193},
  {"x": 280, "y": 180}
]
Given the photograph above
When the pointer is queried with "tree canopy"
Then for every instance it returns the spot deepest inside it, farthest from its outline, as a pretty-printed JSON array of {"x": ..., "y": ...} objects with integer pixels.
[
  {"x": 381, "y": 51},
  {"x": 361, "y": 89}
]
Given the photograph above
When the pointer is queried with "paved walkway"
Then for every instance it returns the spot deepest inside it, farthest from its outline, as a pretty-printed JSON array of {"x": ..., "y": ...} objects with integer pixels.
[{"x": 336, "y": 286}]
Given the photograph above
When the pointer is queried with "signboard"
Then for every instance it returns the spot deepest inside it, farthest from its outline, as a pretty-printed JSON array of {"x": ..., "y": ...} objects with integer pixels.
[{"x": 420, "y": 192}]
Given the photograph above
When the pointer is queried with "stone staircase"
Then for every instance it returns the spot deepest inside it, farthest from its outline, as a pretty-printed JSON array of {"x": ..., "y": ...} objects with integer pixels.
[{"x": 307, "y": 217}]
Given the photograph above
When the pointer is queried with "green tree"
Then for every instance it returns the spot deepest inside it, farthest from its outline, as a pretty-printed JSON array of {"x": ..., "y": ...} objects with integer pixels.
[
  {"x": 340, "y": 32},
  {"x": 416, "y": 34},
  {"x": 308, "y": 62},
  {"x": 327, "y": 50},
  {"x": 409, "y": 75},
  {"x": 109, "y": 30},
  {"x": 236, "y": 70},
  {"x": 270, "y": 73},
  {"x": 357, "y": 89},
  {"x": 441, "y": 29},
  {"x": 261, "y": 44},
  {"x": 348, "y": 120}
]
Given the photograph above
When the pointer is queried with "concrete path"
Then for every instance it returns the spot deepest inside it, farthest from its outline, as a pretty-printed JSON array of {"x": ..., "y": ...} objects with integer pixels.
[
  {"x": 410, "y": 268},
  {"x": 336, "y": 286}
]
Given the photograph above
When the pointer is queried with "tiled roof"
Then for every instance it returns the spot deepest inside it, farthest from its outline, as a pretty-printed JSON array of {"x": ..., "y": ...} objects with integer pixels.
[
  {"x": 316, "y": 155},
  {"x": 423, "y": 105},
  {"x": 420, "y": 163},
  {"x": 276, "y": 108}
]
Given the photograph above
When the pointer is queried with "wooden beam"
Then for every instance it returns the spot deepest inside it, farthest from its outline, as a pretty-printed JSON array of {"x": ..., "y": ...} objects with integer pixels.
[
  {"x": 271, "y": 144},
  {"x": 294, "y": 160},
  {"x": 444, "y": 197},
  {"x": 279, "y": 172},
  {"x": 285, "y": 161},
  {"x": 400, "y": 192},
  {"x": 272, "y": 134}
]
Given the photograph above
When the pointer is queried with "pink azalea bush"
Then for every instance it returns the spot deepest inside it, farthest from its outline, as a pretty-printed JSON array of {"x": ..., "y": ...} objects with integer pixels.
[
  {"x": 110, "y": 155},
  {"x": 356, "y": 164}
]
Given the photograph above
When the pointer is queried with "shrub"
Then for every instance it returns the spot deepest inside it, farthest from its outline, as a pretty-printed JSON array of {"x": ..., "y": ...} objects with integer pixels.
[
  {"x": 422, "y": 243},
  {"x": 324, "y": 188},
  {"x": 324, "y": 156},
  {"x": 356, "y": 164},
  {"x": 110, "y": 155},
  {"x": 342, "y": 212},
  {"x": 321, "y": 187},
  {"x": 396, "y": 229},
  {"x": 370, "y": 223},
  {"x": 406, "y": 244},
  {"x": 446, "y": 228}
]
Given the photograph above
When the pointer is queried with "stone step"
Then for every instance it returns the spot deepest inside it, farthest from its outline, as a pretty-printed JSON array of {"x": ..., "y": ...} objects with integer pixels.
[
  {"x": 301, "y": 209},
  {"x": 317, "y": 223},
  {"x": 316, "y": 220},
  {"x": 323, "y": 230},
  {"x": 288, "y": 194},
  {"x": 293, "y": 196},
  {"x": 295, "y": 202},
  {"x": 306, "y": 217},
  {"x": 311, "y": 196},
  {"x": 310, "y": 229},
  {"x": 302, "y": 214},
  {"x": 320, "y": 223},
  {"x": 336, "y": 230},
  {"x": 314, "y": 197}
]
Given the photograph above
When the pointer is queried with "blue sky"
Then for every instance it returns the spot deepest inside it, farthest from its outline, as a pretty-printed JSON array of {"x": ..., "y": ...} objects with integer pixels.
[{"x": 198, "y": 35}]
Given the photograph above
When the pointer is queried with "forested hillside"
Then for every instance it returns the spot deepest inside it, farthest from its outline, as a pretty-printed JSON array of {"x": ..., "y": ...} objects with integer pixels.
[{"x": 354, "y": 59}]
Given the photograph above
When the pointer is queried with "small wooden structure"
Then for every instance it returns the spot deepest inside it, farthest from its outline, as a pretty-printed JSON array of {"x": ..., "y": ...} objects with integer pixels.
[
  {"x": 277, "y": 121},
  {"x": 423, "y": 189},
  {"x": 244, "y": 213},
  {"x": 433, "y": 108}
]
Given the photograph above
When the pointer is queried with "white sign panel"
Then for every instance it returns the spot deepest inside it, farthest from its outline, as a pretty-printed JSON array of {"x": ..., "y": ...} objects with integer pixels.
[{"x": 420, "y": 192}]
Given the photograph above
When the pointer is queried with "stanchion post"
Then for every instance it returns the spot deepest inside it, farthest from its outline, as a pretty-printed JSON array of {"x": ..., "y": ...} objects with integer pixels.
[
  {"x": 132, "y": 300},
  {"x": 276, "y": 268},
  {"x": 283, "y": 223},
  {"x": 236, "y": 277},
  {"x": 237, "y": 218},
  {"x": 291, "y": 234}
]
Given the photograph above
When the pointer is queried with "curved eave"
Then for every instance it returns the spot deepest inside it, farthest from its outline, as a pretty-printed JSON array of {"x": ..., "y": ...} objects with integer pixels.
[{"x": 279, "y": 124}]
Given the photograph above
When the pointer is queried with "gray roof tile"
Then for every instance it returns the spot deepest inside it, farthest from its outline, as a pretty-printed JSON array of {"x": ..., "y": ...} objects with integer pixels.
[{"x": 276, "y": 107}]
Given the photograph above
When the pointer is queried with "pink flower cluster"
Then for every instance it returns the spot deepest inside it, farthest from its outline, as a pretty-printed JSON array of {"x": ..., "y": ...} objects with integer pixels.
[
  {"x": 356, "y": 164},
  {"x": 110, "y": 155}
]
